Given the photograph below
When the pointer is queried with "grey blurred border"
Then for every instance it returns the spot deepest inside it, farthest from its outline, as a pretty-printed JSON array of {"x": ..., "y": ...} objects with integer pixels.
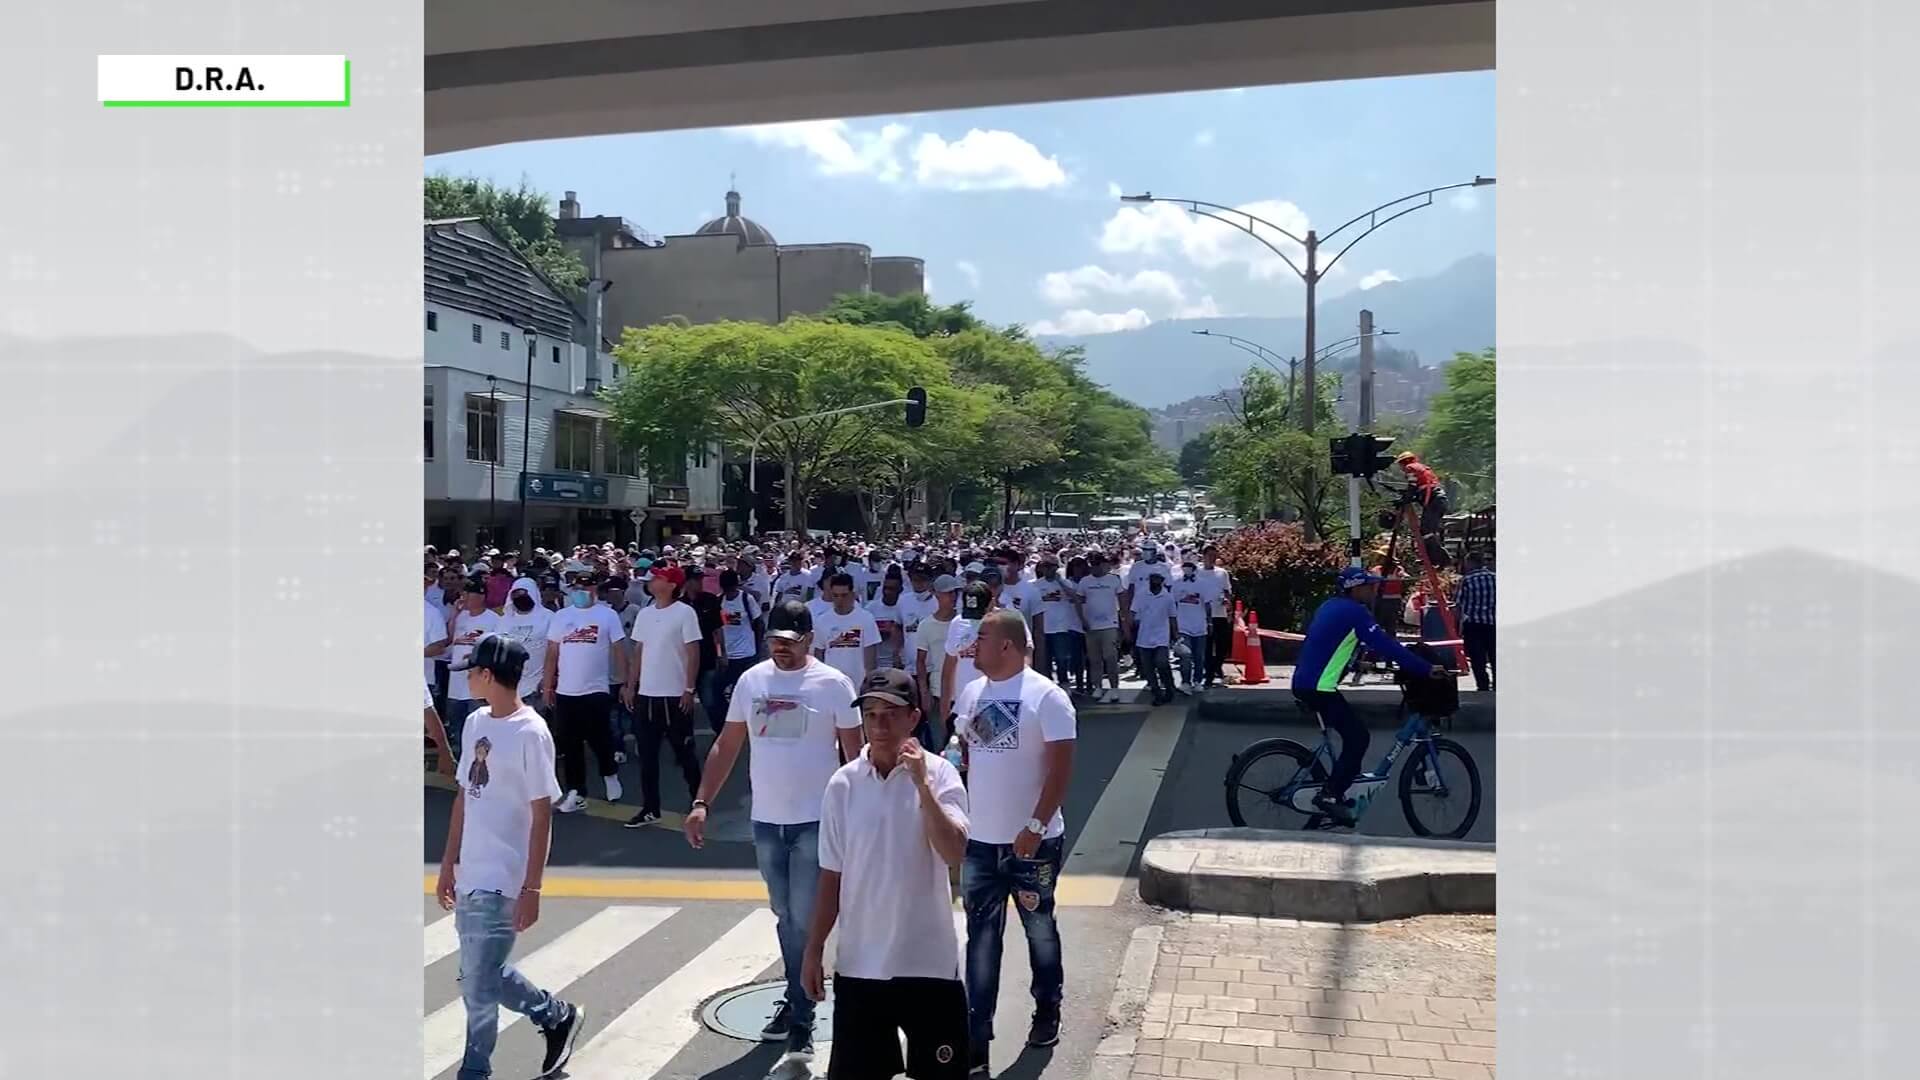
[
  {"x": 1707, "y": 332},
  {"x": 210, "y": 497}
]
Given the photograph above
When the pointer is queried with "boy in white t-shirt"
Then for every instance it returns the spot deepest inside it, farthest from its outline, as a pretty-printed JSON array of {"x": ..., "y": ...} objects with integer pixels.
[{"x": 496, "y": 857}]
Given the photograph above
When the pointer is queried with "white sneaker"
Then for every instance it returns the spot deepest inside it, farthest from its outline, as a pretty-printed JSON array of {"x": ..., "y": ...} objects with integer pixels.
[
  {"x": 572, "y": 804},
  {"x": 613, "y": 788}
]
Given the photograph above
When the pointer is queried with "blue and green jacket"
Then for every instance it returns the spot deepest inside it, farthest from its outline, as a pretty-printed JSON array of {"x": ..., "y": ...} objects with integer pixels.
[{"x": 1340, "y": 627}]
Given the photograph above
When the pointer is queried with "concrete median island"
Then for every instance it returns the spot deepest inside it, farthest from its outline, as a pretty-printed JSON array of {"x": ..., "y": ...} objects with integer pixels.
[{"x": 1319, "y": 877}]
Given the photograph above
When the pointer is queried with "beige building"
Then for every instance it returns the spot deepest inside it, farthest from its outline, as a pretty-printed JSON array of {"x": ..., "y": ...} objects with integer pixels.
[{"x": 731, "y": 268}]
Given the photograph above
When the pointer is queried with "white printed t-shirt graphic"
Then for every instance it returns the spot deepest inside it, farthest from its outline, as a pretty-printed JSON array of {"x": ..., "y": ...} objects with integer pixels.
[
  {"x": 505, "y": 764},
  {"x": 1007, "y": 725},
  {"x": 1191, "y": 600},
  {"x": 663, "y": 634},
  {"x": 433, "y": 631},
  {"x": 843, "y": 638},
  {"x": 1102, "y": 595},
  {"x": 793, "y": 720},
  {"x": 586, "y": 637},
  {"x": 736, "y": 624},
  {"x": 468, "y": 629},
  {"x": 886, "y": 619},
  {"x": 1151, "y": 612},
  {"x": 963, "y": 643},
  {"x": 896, "y": 900}
]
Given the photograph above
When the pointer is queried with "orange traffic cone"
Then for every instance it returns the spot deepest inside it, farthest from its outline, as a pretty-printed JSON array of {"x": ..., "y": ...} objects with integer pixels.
[
  {"x": 1253, "y": 664},
  {"x": 1239, "y": 653}
]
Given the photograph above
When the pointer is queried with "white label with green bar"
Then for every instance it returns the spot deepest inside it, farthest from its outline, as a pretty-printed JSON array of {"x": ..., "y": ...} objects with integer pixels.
[{"x": 215, "y": 82}]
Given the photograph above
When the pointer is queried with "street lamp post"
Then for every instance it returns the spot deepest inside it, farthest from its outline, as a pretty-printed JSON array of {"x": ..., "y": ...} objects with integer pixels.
[
  {"x": 1054, "y": 500},
  {"x": 753, "y": 454},
  {"x": 1268, "y": 356},
  {"x": 526, "y": 445},
  {"x": 1312, "y": 274}
]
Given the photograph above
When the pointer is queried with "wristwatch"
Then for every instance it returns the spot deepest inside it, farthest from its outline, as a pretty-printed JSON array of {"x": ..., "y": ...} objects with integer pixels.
[
  {"x": 1037, "y": 827},
  {"x": 699, "y": 804}
]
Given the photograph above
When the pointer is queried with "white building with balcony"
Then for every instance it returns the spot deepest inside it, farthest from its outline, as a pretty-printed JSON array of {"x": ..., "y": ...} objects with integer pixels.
[{"x": 511, "y": 401}]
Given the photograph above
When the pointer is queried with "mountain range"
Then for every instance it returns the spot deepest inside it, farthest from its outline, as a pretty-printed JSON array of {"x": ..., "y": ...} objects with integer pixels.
[{"x": 1162, "y": 363}]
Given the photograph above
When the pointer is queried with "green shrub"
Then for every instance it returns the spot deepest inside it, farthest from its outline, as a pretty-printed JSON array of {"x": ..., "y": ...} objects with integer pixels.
[{"x": 1278, "y": 573}]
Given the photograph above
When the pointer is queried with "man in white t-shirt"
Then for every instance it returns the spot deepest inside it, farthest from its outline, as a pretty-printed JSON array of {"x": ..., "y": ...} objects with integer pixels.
[
  {"x": 526, "y": 622},
  {"x": 797, "y": 715},
  {"x": 1153, "y": 633},
  {"x": 471, "y": 623},
  {"x": 1098, "y": 597},
  {"x": 930, "y": 657},
  {"x": 795, "y": 582},
  {"x": 845, "y": 634},
  {"x": 893, "y": 820},
  {"x": 434, "y": 633},
  {"x": 665, "y": 661},
  {"x": 976, "y": 600},
  {"x": 741, "y": 627},
  {"x": 916, "y": 604},
  {"x": 1017, "y": 729},
  {"x": 1221, "y": 614},
  {"x": 581, "y": 662},
  {"x": 1193, "y": 597},
  {"x": 1055, "y": 619},
  {"x": 496, "y": 857},
  {"x": 887, "y": 619}
]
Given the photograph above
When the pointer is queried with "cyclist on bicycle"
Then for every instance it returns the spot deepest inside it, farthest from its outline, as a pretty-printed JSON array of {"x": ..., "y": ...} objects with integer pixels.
[{"x": 1339, "y": 627}]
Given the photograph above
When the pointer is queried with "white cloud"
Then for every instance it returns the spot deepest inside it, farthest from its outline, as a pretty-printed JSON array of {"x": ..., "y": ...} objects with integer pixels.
[
  {"x": 837, "y": 147},
  {"x": 969, "y": 271},
  {"x": 1114, "y": 190},
  {"x": 1203, "y": 308},
  {"x": 1378, "y": 277},
  {"x": 1158, "y": 228},
  {"x": 1082, "y": 321},
  {"x": 1465, "y": 200},
  {"x": 984, "y": 161},
  {"x": 1203, "y": 137},
  {"x": 926, "y": 285},
  {"x": 1063, "y": 287}
]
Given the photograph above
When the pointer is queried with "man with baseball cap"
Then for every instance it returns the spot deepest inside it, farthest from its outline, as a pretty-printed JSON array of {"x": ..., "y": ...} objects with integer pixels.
[
  {"x": 796, "y": 712},
  {"x": 660, "y": 686},
  {"x": 496, "y": 856},
  {"x": 893, "y": 821},
  {"x": 1339, "y": 627}
]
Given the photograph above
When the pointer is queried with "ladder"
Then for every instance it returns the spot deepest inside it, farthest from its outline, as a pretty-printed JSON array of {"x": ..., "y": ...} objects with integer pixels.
[{"x": 1430, "y": 576}]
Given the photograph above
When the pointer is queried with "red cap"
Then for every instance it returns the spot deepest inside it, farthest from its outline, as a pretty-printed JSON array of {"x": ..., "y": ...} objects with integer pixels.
[{"x": 670, "y": 573}]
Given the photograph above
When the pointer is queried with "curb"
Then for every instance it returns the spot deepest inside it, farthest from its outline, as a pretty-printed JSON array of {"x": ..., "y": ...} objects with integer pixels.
[
  {"x": 1113, "y": 1058},
  {"x": 1318, "y": 877},
  {"x": 1378, "y": 706}
]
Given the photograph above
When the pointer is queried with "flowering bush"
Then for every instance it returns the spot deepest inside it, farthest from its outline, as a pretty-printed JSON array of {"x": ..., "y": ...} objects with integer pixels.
[{"x": 1279, "y": 573}]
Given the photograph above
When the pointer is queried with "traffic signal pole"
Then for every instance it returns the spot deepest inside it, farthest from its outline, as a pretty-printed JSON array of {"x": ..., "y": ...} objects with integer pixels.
[
  {"x": 1355, "y": 550},
  {"x": 915, "y": 401}
]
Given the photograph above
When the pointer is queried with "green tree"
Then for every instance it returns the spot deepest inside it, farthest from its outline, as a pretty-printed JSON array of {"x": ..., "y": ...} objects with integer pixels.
[
  {"x": 1458, "y": 440},
  {"x": 729, "y": 381},
  {"x": 911, "y": 312},
  {"x": 522, "y": 216}
]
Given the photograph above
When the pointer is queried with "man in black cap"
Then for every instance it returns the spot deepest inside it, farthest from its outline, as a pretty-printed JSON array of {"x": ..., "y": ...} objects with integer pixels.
[
  {"x": 496, "y": 856},
  {"x": 893, "y": 820},
  {"x": 796, "y": 712}
]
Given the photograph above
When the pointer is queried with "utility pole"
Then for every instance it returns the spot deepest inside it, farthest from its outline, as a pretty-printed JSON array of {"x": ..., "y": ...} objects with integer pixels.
[
  {"x": 1312, "y": 279},
  {"x": 1363, "y": 422}
]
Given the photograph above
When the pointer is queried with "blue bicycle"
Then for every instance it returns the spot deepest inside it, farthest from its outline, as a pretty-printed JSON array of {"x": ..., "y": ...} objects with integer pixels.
[{"x": 1275, "y": 780}]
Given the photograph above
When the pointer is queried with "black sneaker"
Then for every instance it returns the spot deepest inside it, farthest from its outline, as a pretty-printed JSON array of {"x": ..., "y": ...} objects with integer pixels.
[
  {"x": 779, "y": 1025},
  {"x": 560, "y": 1041},
  {"x": 977, "y": 1060},
  {"x": 1335, "y": 809},
  {"x": 643, "y": 819},
  {"x": 1045, "y": 1030},
  {"x": 799, "y": 1038}
]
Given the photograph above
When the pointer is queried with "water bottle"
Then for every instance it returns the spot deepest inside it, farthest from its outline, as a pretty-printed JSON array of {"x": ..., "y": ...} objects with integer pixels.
[{"x": 952, "y": 752}]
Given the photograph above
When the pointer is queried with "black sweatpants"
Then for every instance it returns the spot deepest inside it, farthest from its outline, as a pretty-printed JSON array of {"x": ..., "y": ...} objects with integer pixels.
[
  {"x": 581, "y": 721},
  {"x": 1478, "y": 639},
  {"x": 1218, "y": 648},
  {"x": 1338, "y": 716},
  {"x": 662, "y": 718}
]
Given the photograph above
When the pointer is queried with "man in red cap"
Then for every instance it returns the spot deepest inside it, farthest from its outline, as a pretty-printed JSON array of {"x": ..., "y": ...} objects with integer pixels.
[
  {"x": 1432, "y": 500},
  {"x": 664, "y": 661}
]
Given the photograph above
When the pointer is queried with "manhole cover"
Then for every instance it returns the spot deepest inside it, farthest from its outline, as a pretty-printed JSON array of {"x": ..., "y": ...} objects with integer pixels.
[{"x": 740, "y": 1013}]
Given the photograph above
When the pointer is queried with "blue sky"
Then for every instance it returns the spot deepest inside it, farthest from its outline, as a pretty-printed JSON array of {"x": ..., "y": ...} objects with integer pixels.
[{"x": 1014, "y": 207}]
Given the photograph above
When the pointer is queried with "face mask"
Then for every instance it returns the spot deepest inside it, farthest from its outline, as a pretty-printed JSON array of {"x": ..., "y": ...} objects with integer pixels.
[
  {"x": 523, "y": 603},
  {"x": 580, "y": 598}
]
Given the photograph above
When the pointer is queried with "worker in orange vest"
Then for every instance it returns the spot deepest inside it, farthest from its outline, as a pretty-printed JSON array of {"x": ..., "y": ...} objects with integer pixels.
[{"x": 1424, "y": 485}]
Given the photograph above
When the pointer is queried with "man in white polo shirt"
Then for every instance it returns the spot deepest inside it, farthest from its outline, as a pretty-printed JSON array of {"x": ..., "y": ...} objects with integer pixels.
[
  {"x": 893, "y": 820},
  {"x": 1017, "y": 730},
  {"x": 797, "y": 713}
]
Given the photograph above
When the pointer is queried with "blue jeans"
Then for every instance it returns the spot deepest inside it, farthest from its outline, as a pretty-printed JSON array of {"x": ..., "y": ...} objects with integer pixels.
[
  {"x": 620, "y": 718},
  {"x": 484, "y": 923},
  {"x": 1194, "y": 668},
  {"x": 1063, "y": 656},
  {"x": 991, "y": 874},
  {"x": 789, "y": 858}
]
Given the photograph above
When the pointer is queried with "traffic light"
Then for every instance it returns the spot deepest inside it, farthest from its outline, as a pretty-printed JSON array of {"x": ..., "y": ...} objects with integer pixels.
[
  {"x": 917, "y": 407},
  {"x": 1373, "y": 453},
  {"x": 1340, "y": 455}
]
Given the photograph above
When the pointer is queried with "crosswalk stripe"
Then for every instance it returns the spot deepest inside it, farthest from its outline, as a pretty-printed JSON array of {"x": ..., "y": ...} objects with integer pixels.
[
  {"x": 552, "y": 968},
  {"x": 1096, "y": 870},
  {"x": 643, "y": 1039},
  {"x": 442, "y": 941}
]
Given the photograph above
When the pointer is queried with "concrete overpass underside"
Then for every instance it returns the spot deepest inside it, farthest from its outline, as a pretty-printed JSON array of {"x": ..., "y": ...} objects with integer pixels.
[{"x": 503, "y": 71}]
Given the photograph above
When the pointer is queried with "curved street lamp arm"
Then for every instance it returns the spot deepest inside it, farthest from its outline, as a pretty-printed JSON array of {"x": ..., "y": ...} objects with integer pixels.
[
  {"x": 1251, "y": 350},
  {"x": 1195, "y": 206},
  {"x": 1260, "y": 350},
  {"x": 1375, "y": 224},
  {"x": 1426, "y": 195}
]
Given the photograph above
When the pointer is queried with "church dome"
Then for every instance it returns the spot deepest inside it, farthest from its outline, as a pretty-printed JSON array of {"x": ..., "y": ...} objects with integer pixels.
[{"x": 748, "y": 230}]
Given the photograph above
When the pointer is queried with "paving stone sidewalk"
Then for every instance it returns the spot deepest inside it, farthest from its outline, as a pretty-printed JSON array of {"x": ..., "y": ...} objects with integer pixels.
[{"x": 1239, "y": 998}]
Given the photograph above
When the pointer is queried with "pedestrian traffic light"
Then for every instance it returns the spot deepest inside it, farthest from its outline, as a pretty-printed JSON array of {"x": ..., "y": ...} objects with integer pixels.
[
  {"x": 1340, "y": 455},
  {"x": 917, "y": 406},
  {"x": 1373, "y": 453}
]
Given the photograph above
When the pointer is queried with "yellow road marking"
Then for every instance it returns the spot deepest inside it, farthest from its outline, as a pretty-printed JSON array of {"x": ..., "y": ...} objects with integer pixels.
[{"x": 598, "y": 808}]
